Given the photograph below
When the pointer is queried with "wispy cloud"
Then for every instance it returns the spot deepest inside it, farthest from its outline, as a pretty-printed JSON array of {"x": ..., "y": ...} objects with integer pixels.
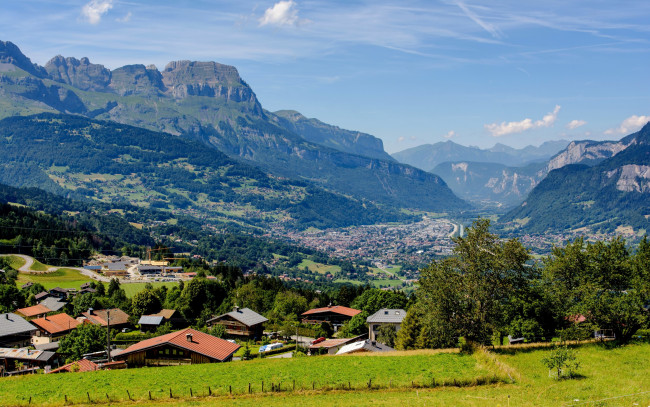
[
  {"x": 629, "y": 125},
  {"x": 283, "y": 13},
  {"x": 574, "y": 124},
  {"x": 93, "y": 11},
  {"x": 449, "y": 134},
  {"x": 504, "y": 129},
  {"x": 125, "y": 19},
  {"x": 474, "y": 17}
]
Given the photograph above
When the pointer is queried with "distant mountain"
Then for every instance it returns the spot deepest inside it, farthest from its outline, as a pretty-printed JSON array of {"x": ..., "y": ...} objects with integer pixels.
[
  {"x": 114, "y": 163},
  {"x": 428, "y": 156},
  {"x": 611, "y": 195},
  {"x": 490, "y": 184},
  {"x": 331, "y": 136},
  {"x": 211, "y": 103}
]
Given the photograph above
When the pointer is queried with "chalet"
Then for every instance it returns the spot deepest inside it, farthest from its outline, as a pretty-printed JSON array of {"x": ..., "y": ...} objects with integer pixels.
[
  {"x": 59, "y": 292},
  {"x": 118, "y": 318},
  {"x": 42, "y": 295},
  {"x": 149, "y": 323},
  {"x": 363, "y": 346},
  {"x": 335, "y": 315},
  {"x": 85, "y": 285},
  {"x": 184, "y": 347},
  {"x": 53, "y": 328},
  {"x": 53, "y": 304},
  {"x": 173, "y": 317},
  {"x": 15, "y": 331},
  {"x": 26, "y": 285},
  {"x": 384, "y": 316},
  {"x": 35, "y": 311},
  {"x": 20, "y": 361},
  {"x": 241, "y": 322}
]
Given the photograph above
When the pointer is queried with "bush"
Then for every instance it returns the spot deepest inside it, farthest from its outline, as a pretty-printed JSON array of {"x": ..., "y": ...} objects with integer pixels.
[{"x": 563, "y": 360}]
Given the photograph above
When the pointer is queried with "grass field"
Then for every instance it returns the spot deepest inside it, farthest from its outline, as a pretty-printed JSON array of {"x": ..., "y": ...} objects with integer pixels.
[
  {"x": 319, "y": 267},
  {"x": 38, "y": 266},
  {"x": 132, "y": 288},
  {"x": 610, "y": 377},
  {"x": 16, "y": 262},
  {"x": 323, "y": 372},
  {"x": 63, "y": 277}
]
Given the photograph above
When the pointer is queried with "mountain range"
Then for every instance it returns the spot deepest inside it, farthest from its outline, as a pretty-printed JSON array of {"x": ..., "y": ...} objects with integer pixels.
[
  {"x": 609, "y": 191},
  {"x": 210, "y": 103}
]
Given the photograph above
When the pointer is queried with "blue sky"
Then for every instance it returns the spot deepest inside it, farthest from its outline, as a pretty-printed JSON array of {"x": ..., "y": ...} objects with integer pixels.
[{"x": 516, "y": 72}]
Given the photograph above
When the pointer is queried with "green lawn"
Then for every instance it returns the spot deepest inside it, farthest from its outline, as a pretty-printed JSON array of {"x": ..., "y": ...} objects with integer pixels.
[
  {"x": 319, "y": 267},
  {"x": 132, "y": 288},
  {"x": 63, "y": 277},
  {"x": 38, "y": 266},
  {"x": 386, "y": 283},
  {"x": 322, "y": 372},
  {"x": 16, "y": 262}
]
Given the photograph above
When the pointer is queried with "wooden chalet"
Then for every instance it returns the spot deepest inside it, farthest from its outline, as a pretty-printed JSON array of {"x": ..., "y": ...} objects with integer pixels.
[
  {"x": 53, "y": 328},
  {"x": 15, "y": 330},
  {"x": 184, "y": 347},
  {"x": 118, "y": 318},
  {"x": 241, "y": 322},
  {"x": 335, "y": 315}
]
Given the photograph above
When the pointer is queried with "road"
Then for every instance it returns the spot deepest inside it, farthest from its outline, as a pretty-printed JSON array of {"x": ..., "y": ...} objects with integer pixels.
[{"x": 29, "y": 261}]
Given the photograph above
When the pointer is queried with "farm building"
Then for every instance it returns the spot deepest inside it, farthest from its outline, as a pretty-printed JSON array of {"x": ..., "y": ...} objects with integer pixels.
[
  {"x": 15, "y": 331},
  {"x": 184, "y": 347},
  {"x": 149, "y": 323},
  {"x": 83, "y": 365},
  {"x": 118, "y": 318},
  {"x": 384, "y": 316},
  {"x": 53, "y": 328},
  {"x": 335, "y": 315},
  {"x": 35, "y": 311},
  {"x": 23, "y": 360},
  {"x": 241, "y": 322}
]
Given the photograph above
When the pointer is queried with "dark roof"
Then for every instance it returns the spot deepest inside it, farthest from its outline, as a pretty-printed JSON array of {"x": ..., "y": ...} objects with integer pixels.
[
  {"x": 118, "y": 317},
  {"x": 54, "y": 304},
  {"x": 386, "y": 315},
  {"x": 12, "y": 324},
  {"x": 202, "y": 343},
  {"x": 116, "y": 266},
  {"x": 337, "y": 309},
  {"x": 150, "y": 320},
  {"x": 246, "y": 316},
  {"x": 59, "y": 289},
  {"x": 41, "y": 295},
  {"x": 26, "y": 285}
]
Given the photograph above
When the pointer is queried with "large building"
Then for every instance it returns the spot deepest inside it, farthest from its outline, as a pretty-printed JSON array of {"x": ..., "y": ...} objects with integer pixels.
[
  {"x": 335, "y": 315},
  {"x": 184, "y": 347},
  {"x": 241, "y": 322}
]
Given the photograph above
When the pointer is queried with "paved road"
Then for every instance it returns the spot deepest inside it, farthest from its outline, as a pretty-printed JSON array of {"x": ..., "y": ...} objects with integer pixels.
[{"x": 29, "y": 261}]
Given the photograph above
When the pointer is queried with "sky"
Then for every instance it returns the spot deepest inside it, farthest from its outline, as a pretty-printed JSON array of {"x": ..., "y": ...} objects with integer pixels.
[{"x": 516, "y": 72}]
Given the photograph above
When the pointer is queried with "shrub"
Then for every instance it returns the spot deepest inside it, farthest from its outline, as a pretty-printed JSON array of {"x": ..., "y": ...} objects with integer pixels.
[{"x": 563, "y": 360}]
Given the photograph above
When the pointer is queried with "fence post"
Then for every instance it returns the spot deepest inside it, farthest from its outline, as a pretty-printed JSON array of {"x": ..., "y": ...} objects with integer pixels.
[
  {"x": 87, "y": 394},
  {"x": 262, "y": 386},
  {"x": 369, "y": 383},
  {"x": 129, "y": 394},
  {"x": 150, "y": 395},
  {"x": 66, "y": 398},
  {"x": 230, "y": 389},
  {"x": 294, "y": 384},
  {"x": 249, "y": 388},
  {"x": 170, "y": 393},
  {"x": 191, "y": 395},
  {"x": 209, "y": 391}
]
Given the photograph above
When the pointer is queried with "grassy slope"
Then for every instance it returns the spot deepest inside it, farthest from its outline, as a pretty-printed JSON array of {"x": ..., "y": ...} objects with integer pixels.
[
  {"x": 63, "y": 277},
  {"x": 325, "y": 372},
  {"x": 612, "y": 377},
  {"x": 132, "y": 288}
]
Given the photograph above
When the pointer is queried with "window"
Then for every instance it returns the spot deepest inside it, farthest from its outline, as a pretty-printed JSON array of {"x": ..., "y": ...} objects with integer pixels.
[{"x": 166, "y": 351}]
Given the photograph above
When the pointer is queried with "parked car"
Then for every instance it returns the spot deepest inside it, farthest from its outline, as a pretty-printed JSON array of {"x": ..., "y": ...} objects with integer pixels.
[{"x": 319, "y": 340}]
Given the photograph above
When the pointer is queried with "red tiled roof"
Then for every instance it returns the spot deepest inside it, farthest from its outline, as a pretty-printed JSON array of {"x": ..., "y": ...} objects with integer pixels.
[
  {"x": 118, "y": 317},
  {"x": 56, "y": 323},
  {"x": 330, "y": 343},
  {"x": 202, "y": 343},
  {"x": 34, "y": 310},
  {"x": 84, "y": 365},
  {"x": 337, "y": 309}
]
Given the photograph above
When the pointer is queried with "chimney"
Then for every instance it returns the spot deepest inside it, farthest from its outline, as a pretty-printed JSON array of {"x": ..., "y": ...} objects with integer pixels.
[
  {"x": 7, "y": 315},
  {"x": 90, "y": 311},
  {"x": 235, "y": 308},
  {"x": 189, "y": 337}
]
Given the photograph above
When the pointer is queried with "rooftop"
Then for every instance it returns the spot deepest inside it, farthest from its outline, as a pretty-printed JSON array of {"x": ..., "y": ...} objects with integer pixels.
[
  {"x": 56, "y": 323},
  {"x": 54, "y": 304},
  {"x": 34, "y": 310},
  {"x": 387, "y": 315},
  {"x": 150, "y": 320},
  {"x": 337, "y": 309},
  {"x": 246, "y": 316},
  {"x": 12, "y": 324},
  {"x": 98, "y": 317}
]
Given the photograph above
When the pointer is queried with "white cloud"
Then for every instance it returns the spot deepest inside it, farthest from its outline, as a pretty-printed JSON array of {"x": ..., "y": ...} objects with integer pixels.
[
  {"x": 283, "y": 13},
  {"x": 125, "y": 19},
  {"x": 630, "y": 125},
  {"x": 574, "y": 124},
  {"x": 94, "y": 10},
  {"x": 450, "y": 134},
  {"x": 503, "y": 129},
  {"x": 399, "y": 140}
]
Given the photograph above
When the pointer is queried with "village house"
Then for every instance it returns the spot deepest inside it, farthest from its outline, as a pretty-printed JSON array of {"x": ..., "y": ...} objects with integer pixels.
[
  {"x": 54, "y": 304},
  {"x": 53, "y": 328},
  {"x": 35, "y": 311},
  {"x": 384, "y": 316},
  {"x": 15, "y": 331},
  {"x": 118, "y": 318},
  {"x": 59, "y": 292},
  {"x": 172, "y": 317},
  {"x": 335, "y": 315},
  {"x": 23, "y": 360},
  {"x": 149, "y": 323},
  {"x": 184, "y": 347},
  {"x": 241, "y": 322}
]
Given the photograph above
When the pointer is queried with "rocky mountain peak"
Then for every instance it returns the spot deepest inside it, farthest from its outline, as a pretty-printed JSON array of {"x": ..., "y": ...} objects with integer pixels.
[
  {"x": 79, "y": 73},
  {"x": 11, "y": 54},
  {"x": 136, "y": 79}
]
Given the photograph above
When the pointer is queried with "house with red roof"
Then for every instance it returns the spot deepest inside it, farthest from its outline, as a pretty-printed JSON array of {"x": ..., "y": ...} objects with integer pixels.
[
  {"x": 335, "y": 315},
  {"x": 52, "y": 328},
  {"x": 35, "y": 311},
  {"x": 184, "y": 347}
]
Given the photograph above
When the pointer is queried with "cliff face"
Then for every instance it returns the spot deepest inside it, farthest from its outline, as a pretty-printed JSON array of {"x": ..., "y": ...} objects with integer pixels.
[
  {"x": 79, "y": 73},
  {"x": 136, "y": 80},
  {"x": 586, "y": 151},
  {"x": 10, "y": 54}
]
